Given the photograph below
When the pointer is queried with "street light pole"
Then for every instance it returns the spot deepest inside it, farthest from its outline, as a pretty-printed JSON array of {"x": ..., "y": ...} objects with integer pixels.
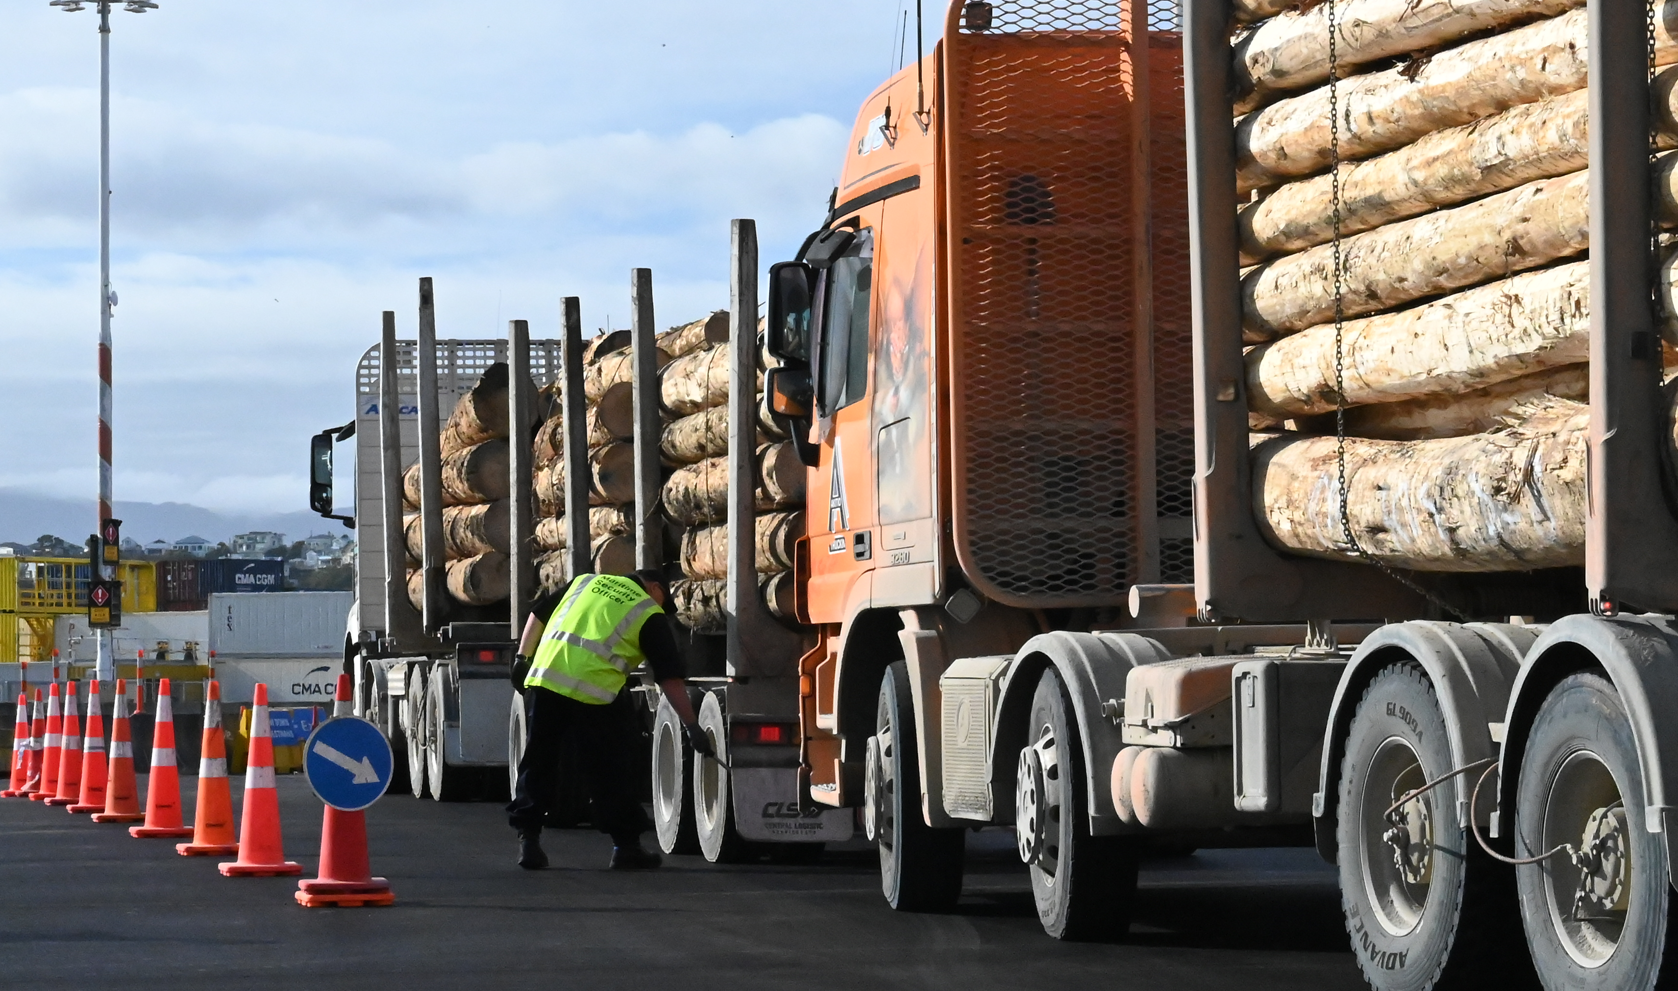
[{"x": 105, "y": 665}]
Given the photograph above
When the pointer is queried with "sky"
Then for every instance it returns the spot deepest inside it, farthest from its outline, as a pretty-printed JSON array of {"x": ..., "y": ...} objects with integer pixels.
[{"x": 282, "y": 172}]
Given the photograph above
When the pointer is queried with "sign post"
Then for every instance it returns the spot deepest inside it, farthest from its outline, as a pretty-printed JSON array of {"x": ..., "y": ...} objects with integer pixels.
[{"x": 348, "y": 763}]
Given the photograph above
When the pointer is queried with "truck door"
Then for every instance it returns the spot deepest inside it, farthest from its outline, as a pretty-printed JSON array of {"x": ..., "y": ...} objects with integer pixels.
[{"x": 842, "y": 520}]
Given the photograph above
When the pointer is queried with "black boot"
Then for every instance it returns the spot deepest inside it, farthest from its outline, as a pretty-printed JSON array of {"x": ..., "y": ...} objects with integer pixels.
[
  {"x": 531, "y": 857},
  {"x": 629, "y": 855}
]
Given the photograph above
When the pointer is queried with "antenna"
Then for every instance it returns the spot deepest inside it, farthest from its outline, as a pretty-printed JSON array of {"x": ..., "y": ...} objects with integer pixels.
[
  {"x": 902, "y": 41},
  {"x": 922, "y": 116}
]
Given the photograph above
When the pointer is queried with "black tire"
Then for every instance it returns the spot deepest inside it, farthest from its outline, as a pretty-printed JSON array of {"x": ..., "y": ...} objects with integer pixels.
[
  {"x": 1443, "y": 918},
  {"x": 1084, "y": 886},
  {"x": 517, "y": 735},
  {"x": 1581, "y": 759},
  {"x": 414, "y": 709},
  {"x": 713, "y": 802},
  {"x": 672, "y": 769},
  {"x": 448, "y": 783},
  {"x": 920, "y": 867}
]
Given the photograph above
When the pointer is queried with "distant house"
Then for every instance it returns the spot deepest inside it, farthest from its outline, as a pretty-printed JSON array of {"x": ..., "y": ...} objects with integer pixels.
[
  {"x": 10, "y": 549},
  {"x": 158, "y": 548},
  {"x": 257, "y": 542},
  {"x": 195, "y": 545}
]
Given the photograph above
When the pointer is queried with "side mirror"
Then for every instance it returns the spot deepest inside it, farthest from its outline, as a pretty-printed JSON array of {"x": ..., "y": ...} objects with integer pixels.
[
  {"x": 320, "y": 472},
  {"x": 790, "y": 392},
  {"x": 791, "y": 293}
]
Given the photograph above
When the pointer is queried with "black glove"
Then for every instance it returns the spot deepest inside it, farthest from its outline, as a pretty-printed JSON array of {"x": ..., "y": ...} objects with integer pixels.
[
  {"x": 521, "y": 669},
  {"x": 700, "y": 742}
]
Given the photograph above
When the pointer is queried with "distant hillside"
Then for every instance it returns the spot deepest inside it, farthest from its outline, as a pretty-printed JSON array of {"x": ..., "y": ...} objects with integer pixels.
[{"x": 25, "y": 516}]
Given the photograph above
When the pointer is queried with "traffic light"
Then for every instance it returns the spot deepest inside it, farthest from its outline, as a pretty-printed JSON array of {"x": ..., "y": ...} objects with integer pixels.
[
  {"x": 104, "y": 602},
  {"x": 110, "y": 535}
]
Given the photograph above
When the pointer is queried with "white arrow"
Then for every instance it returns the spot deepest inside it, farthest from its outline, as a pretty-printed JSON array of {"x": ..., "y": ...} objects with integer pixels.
[{"x": 364, "y": 773}]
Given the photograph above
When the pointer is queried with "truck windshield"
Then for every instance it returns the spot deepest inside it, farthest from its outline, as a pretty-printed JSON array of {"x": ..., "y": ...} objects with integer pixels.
[{"x": 849, "y": 292}]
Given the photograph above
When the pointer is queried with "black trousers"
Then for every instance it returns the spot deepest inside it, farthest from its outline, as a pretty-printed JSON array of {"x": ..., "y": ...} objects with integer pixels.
[{"x": 604, "y": 740}]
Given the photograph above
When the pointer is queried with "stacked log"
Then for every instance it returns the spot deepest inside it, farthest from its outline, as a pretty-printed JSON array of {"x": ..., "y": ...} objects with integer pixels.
[
  {"x": 693, "y": 399},
  {"x": 609, "y": 433},
  {"x": 476, "y": 522},
  {"x": 1461, "y": 356}
]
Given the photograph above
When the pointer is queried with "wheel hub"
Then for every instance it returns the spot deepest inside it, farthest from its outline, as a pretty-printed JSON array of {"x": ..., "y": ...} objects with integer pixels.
[
  {"x": 871, "y": 790},
  {"x": 1410, "y": 839},
  {"x": 1604, "y": 864},
  {"x": 1033, "y": 804}
]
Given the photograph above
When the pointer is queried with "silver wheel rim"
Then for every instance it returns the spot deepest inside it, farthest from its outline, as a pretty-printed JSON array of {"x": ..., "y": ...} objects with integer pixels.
[
  {"x": 1587, "y": 895},
  {"x": 885, "y": 811},
  {"x": 1398, "y": 859},
  {"x": 434, "y": 742},
  {"x": 667, "y": 776},
  {"x": 709, "y": 774}
]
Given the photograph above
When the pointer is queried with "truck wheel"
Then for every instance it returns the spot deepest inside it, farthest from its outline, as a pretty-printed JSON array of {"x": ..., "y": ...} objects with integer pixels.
[
  {"x": 672, "y": 764},
  {"x": 1425, "y": 907},
  {"x": 1598, "y": 916},
  {"x": 413, "y": 728},
  {"x": 517, "y": 734},
  {"x": 448, "y": 784},
  {"x": 920, "y": 867},
  {"x": 1084, "y": 885},
  {"x": 713, "y": 806}
]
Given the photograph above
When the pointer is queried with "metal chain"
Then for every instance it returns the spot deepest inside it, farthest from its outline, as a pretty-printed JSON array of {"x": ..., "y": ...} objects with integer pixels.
[{"x": 1339, "y": 272}]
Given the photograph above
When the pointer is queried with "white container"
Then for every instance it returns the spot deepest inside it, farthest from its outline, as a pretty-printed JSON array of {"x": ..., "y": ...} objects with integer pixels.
[
  {"x": 279, "y": 624},
  {"x": 290, "y": 680},
  {"x": 139, "y": 631}
]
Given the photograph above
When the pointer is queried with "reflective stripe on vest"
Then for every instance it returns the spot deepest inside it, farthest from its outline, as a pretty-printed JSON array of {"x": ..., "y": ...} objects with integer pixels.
[{"x": 592, "y": 640}]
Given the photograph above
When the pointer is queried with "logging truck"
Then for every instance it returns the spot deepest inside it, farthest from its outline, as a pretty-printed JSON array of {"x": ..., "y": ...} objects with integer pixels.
[{"x": 1214, "y": 435}]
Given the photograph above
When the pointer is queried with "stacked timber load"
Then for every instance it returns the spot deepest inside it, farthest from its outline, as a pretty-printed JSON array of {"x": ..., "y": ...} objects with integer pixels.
[
  {"x": 476, "y": 523},
  {"x": 693, "y": 400},
  {"x": 1461, "y": 356},
  {"x": 609, "y": 428}
]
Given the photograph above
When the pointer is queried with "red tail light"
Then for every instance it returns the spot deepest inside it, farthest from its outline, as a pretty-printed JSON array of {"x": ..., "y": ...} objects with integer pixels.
[{"x": 770, "y": 734}]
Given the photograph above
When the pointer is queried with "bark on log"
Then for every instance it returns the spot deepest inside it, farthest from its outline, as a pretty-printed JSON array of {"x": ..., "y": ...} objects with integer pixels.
[
  {"x": 551, "y": 571},
  {"x": 603, "y": 521},
  {"x": 416, "y": 588},
  {"x": 1290, "y": 50},
  {"x": 1250, "y": 11},
  {"x": 697, "y": 495},
  {"x": 1384, "y": 110},
  {"x": 1460, "y": 414},
  {"x": 617, "y": 368},
  {"x": 611, "y": 479},
  {"x": 1512, "y": 499},
  {"x": 481, "y": 414},
  {"x": 616, "y": 409},
  {"x": 1496, "y": 332},
  {"x": 696, "y": 336},
  {"x": 695, "y": 382},
  {"x": 692, "y": 439},
  {"x": 1437, "y": 253},
  {"x": 1532, "y": 141},
  {"x": 480, "y": 580},
  {"x": 550, "y": 441},
  {"x": 467, "y": 531},
  {"x": 613, "y": 555},
  {"x": 705, "y": 549},
  {"x": 472, "y": 475},
  {"x": 701, "y": 606},
  {"x": 603, "y": 344}
]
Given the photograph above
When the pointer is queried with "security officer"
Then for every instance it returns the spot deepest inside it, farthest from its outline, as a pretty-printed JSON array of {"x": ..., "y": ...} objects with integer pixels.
[{"x": 586, "y": 640}]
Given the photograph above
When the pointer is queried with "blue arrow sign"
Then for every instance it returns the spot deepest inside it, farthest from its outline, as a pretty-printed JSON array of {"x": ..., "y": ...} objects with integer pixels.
[{"x": 348, "y": 763}]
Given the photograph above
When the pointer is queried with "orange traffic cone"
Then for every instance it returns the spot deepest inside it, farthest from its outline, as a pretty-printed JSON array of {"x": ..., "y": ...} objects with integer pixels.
[
  {"x": 346, "y": 879},
  {"x": 52, "y": 750},
  {"x": 95, "y": 770},
  {"x": 212, "y": 827},
  {"x": 37, "y": 732},
  {"x": 70, "y": 757},
  {"x": 261, "y": 852},
  {"x": 122, "y": 795},
  {"x": 163, "y": 786},
  {"x": 20, "y": 749}
]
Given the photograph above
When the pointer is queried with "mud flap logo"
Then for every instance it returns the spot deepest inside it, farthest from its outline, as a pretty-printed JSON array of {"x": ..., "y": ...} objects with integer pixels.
[{"x": 789, "y": 810}]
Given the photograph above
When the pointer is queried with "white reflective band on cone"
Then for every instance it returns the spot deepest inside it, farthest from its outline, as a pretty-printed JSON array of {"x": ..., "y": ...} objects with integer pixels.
[
  {"x": 164, "y": 757},
  {"x": 259, "y": 777},
  {"x": 55, "y": 740},
  {"x": 259, "y": 722},
  {"x": 212, "y": 767},
  {"x": 121, "y": 749},
  {"x": 94, "y": 743}
]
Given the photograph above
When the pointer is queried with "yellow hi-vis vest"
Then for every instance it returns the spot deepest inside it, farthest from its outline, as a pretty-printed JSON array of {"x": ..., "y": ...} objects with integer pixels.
[{"x": 593, "y": 639}]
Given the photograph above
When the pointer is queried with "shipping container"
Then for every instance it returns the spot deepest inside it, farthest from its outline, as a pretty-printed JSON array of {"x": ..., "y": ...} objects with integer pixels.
[
  {"x": 280, "y": 624},
  {"x": 178, "y": 586},
  {"x": 231, "y": 575},
  {"x": 179, "y": 630}
]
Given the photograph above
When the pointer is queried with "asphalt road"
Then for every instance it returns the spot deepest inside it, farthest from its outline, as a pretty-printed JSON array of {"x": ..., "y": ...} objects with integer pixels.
[{"x": 87, "y": 906}]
